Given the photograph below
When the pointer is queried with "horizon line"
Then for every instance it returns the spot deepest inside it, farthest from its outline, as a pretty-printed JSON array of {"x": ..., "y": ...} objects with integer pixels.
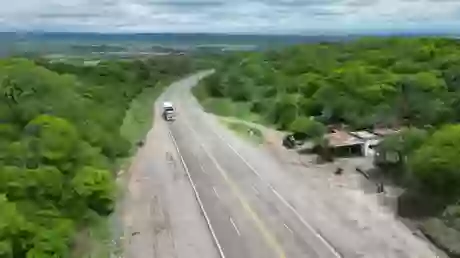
[{"x": 306, "y": 34}]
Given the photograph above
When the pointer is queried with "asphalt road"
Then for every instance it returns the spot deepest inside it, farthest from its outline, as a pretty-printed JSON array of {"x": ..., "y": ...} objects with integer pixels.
[
  {"x": 246, "y": 215},
  {"x": 196, "y": 190}
]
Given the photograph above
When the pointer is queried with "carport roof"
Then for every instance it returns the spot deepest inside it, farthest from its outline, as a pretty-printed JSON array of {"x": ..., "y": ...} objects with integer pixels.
[{"x": 342, "y": 139}]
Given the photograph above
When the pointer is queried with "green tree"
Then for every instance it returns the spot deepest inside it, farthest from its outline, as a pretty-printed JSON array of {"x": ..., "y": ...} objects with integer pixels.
[
  {"x": 435, "y": 164},
  {"x": 59, "y": 140},
  {"x": 406, "y": 141},
  {"x": 15, "y": 230},
  {"x": 308, "y": 126},
  {"x": 97, "y": 187},
  {"x": 364, "y": 83},
  {"x": 52, "y": 138}
]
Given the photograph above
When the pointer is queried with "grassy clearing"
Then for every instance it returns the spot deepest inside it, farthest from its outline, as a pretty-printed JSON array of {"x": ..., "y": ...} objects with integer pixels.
[
  {"x": 226, "y": 107},
  {"x": 94, "y": 241},
  {"x": 139, "y": 118},
  {"x": 248, "y": 132},
  {"x": 102, "y": 236}
]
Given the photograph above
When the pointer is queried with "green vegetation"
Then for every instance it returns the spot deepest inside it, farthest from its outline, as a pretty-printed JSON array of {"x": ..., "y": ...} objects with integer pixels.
[
  {"x": 436, "y": 163},
  {"x": 364, "y": 83},
  {"x": 245, "y": 130},
  {"x": 60, "y": 140},
  {"x": 391, "y": 82},
  {"x": 312, "y": 128},
  {"x": 226, "y": 107},
  {"x": 412, "y": 83},
  {"x": 94, "y": 241},
  {"x": 139, "y": 117},
  {"x": 403, "y": 144}
]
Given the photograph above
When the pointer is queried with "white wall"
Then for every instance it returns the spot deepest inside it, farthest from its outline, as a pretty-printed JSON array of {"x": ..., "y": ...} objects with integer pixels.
[{"x": 367, "y": 150}]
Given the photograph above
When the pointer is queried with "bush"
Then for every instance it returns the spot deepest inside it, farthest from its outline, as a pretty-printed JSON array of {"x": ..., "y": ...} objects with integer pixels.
[
  {"x": 435, "y": 164},
  {"x": 308, "y": 126}
]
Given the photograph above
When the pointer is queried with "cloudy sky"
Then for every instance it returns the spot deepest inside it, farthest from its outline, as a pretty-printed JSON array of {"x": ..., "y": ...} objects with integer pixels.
[{"x": 230, "y": 16}]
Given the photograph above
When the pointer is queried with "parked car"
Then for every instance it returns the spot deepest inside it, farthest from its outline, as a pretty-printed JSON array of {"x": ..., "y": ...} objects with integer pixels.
[{"x": 293, "y": 140}]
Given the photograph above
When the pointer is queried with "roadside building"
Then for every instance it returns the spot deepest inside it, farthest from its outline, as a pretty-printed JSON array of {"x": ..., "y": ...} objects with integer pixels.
[
  {"x": 344, "y": 144},
  {"x": 384, "y": 157},
  {"x": 383, "y": 132},
  {"x": 370, "y": 141}
]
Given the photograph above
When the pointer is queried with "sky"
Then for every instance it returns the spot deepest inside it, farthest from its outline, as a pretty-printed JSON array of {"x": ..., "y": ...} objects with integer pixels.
[{"x": 231, "y": 16}]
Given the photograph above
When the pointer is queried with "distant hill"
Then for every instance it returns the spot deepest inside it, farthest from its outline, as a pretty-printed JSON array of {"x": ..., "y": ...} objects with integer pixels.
[
  {"x": 87, "y": 43},
  {"x": 75, "y": 43},
  {"x": 170, "y": 38}
]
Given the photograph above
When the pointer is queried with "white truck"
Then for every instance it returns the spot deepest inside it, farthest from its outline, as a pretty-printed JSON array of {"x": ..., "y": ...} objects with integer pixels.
[{"x": 168, "y": 111}]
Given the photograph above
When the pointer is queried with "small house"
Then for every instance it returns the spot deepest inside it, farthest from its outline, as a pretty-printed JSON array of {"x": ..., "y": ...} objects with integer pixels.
[
  {"x": 370, "y": 141},
  {"x": 382, "y": 157},
  {"x": 344, "y": 144}
]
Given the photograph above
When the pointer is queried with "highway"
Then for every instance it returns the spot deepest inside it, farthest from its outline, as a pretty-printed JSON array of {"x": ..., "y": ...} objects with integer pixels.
[
  {"x": 246, "y": 215},
  {"x": 196, "y": 190}
]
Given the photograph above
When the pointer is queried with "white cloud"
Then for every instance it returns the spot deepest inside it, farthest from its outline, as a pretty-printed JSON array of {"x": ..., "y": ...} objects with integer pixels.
[{"x": 253, "y": 16}]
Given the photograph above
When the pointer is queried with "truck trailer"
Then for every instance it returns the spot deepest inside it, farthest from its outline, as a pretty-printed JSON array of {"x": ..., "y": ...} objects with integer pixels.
[{"x": 168, "y": 111}]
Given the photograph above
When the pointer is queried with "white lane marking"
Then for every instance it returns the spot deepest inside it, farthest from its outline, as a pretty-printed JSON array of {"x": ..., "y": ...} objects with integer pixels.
[
  {"x": 215, "y": 191},
  {"x": 197, "y": 196},
  {"x": 288, "y": 228},
  {"x": 271, "y": 241},
  {"x": 235, "y": 227},
  {"x": 255, "y": 190},
  {"x": 283, "y": 200},
  {"x": 202, "y": 168}
]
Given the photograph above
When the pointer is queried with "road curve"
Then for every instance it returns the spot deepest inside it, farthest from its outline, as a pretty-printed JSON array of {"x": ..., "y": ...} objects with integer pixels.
[
  {"x": 196, "y": 190},
  {"x": 246, "y": 215}
]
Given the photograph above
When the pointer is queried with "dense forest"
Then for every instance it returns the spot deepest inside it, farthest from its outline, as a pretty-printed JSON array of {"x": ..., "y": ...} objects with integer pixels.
[
  {"x": 365, "y": 83},
  {"x": 59, "y": 141},
  {"x": 409, "y": 83}
]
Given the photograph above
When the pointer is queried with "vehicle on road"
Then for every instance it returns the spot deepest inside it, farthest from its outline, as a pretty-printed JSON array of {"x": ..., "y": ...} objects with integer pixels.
[
  {"x": 168, "y": 111},
  {"x": 293, "y": 140}
]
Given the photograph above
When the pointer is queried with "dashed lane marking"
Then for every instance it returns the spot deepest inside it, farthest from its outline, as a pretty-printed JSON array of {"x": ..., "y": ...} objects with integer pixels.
[
  {"x": 202, "y": 168},
  {"x": 283, "y": 200},
  {"x": 267, "y": 236},
  {"x": 197, "y": 196},
  {"x": 255, "y": 190},
  {"x": 235, "y": 227},
  {"x": 288, "y": 228},
  {"x": 215, "y": 192}
]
